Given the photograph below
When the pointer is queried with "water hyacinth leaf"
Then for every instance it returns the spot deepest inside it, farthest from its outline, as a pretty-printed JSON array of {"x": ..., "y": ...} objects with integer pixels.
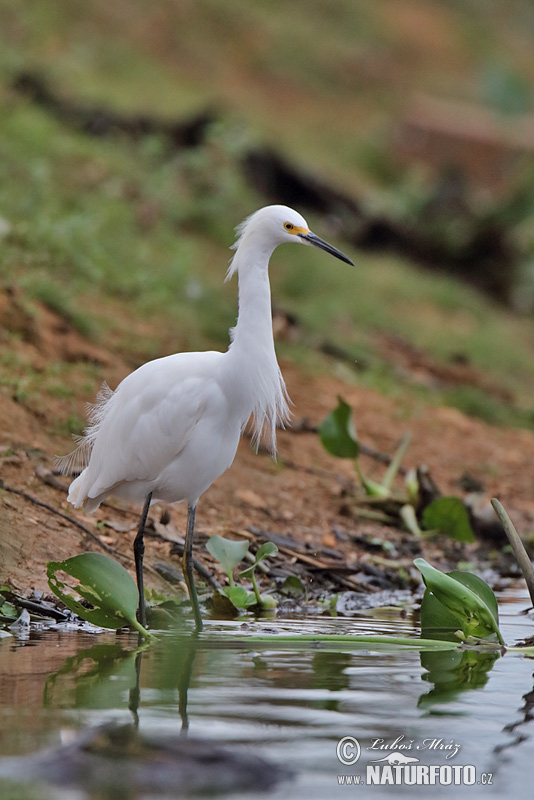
[
  {"x": 267, "y": 550},
  {"x": 480, "y": 588},
  {"x": 268, "y": 602},
  {"x": 292, "y": 586},
  {"x": 448, "y": 515},
  {"x": 104, "y": 583},
  {"x": 467, "y": 597},
  {"x": 437, "y": 622},
  {"x": 7, "y": 609},
  {"x": 228, "y": 552},
  {"x": 337, "y": 432},
  {"x": 239, "y": 597}
]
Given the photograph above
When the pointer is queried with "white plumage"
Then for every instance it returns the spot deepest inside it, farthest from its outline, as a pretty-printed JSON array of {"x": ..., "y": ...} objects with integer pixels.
[{"x": 173, "y": 426}]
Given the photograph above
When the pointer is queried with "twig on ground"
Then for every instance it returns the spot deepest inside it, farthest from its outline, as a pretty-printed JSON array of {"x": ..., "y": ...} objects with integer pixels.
[{"x": 59, "y": 513}]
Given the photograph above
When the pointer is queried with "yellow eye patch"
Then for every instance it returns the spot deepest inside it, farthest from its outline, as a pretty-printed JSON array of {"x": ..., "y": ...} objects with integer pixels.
[{"x": 296, "y": 229}]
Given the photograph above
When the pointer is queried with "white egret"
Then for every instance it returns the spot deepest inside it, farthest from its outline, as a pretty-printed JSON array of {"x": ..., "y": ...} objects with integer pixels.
[{"x": 173, "y": 426}]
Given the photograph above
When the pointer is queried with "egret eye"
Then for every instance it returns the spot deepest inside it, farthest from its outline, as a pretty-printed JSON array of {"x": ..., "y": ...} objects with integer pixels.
[{"x": 288, "y": 226}]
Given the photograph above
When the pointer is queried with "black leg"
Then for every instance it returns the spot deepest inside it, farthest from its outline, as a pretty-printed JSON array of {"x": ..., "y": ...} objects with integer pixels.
[
  {"x": 139, "y": 552},
  {"x": 187, "y": 565}
]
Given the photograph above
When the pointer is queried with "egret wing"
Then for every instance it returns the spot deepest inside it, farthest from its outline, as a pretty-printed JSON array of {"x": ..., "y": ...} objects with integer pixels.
[{"x": 146, "y": 424}]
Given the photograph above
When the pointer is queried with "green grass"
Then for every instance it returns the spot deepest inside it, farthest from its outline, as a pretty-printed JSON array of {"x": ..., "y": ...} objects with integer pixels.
[{"x": 121, "y": 238}]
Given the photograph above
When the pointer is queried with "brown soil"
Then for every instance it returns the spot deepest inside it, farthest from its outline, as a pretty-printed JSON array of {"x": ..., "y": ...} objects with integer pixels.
[{"x": 300, "y": 496}]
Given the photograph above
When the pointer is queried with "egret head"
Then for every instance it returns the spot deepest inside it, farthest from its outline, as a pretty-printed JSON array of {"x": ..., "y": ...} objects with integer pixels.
[{"x": 274, "y": 225}]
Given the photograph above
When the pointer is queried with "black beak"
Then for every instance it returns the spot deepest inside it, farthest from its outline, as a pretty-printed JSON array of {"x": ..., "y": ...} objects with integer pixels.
[{"x": 311, "y": 238}]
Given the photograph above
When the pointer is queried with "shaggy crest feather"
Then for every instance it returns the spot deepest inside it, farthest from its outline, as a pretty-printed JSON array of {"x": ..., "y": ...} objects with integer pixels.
[{"x": 239, "y": 232}]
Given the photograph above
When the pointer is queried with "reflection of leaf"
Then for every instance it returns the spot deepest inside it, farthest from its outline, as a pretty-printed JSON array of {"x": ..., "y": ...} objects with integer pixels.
[
  {"x": 337, "y": 432},
  {"x": 94, "y": 677},
  {"x": 228, "y": 552},
  {"x": 104, "y": 583},
  {"x": 448, "y": 515},
  {"x": 331, "y": 672},
  {"x": 467, "y": 599},
  {"x": 453, "y": 672}
]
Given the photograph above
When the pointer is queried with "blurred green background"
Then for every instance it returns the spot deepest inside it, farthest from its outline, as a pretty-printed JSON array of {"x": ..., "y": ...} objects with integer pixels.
[{"x": 127, "y": 237}]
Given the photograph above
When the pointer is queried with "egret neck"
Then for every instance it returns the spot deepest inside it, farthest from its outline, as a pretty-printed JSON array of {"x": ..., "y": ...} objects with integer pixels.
[{"x": 252, "y": 363}]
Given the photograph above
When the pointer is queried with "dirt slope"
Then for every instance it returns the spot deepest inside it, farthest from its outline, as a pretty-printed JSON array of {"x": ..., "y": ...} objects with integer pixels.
[{"x": 300, "y": 496}]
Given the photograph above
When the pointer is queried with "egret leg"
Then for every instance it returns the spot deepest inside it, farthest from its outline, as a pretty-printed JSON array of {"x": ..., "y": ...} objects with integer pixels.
[
  {"x": 139, "y": 552},
  {"x": 187, "y": 565}
]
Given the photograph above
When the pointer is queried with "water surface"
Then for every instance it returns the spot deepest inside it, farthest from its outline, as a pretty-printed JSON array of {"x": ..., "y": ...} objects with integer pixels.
[{"x": 290, "y": 706}]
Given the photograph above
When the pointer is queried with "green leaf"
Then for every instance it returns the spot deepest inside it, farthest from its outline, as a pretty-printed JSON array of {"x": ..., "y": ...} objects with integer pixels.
[
  {"x": 267, "y": 550},
  {"x": 409, "y": 518},
  {"x": 337, "y": 432},
  {"x": 394, "y": 466},
  {"x": 437, "y": 622},
  {"x": 239, "y": 597},
  {"x": 292, "y": 586},
  {"x": 228, "y": 552},
  {"x": 449, "y": 516},
  {"x": 467, "y": 599},
  {"x": 412, "y": 487},
  {"x": 7, "y": 610},
  {"x": 372, "y": 488},
  {"x": 268, "y": 602},
  {"x": 102, "y": 582}
]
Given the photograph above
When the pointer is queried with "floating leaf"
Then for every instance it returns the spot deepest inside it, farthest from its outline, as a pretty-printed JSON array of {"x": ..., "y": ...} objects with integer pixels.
[
  {"x": 104, "y": 583},
  {"x": 437, "y": 622},
  {"x": 337, "y": 432},
  {"x": 228, "y": 552},
  {"x": 467, "y": 599},
  {"x": 449, "y": 516}
]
